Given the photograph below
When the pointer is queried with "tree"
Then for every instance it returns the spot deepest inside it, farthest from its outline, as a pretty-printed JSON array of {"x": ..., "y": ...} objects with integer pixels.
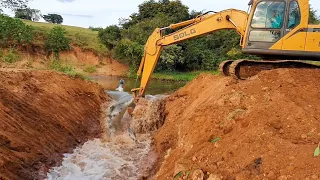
[
  {"x": 28, "y": 14},
  {"x": 13, "y": 4},
  {"x": 152, "y": 9},
  {"x": 53, "y": 18},
  {"x": 110, "y": 36},
  {"x": 313, "y": 18},
  {"x": 95, "y": 28},
  {"x": 57, "y": 41},
  {"x": 14, "y": 31}
]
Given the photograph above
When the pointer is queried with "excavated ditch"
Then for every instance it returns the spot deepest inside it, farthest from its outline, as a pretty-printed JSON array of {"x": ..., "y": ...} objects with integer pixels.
[{"x": 124, "y": 151}]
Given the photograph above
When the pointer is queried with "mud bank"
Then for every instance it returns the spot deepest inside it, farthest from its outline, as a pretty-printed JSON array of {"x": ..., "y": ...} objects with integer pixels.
[
  {"x": 266, "y": 127},
  {"x": 43, "y": 115}
]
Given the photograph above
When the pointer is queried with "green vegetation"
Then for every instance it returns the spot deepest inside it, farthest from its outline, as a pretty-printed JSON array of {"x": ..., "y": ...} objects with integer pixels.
[
  {"x": 11, "y": 56},
  {"x": 53, "y": 18},
  {"x": 14, "y": 32},
  {"x": 90, "y": 69},
  {"x": 317, "y": 151},
  {"x": 313, "y": 18},
  {"x": 177, "y": 176},
  {"x": 200, "y": 54},
  {"x": 56, "y": 41},
  {"x": 205, "y": 53},
  {"x": 13, "y": 4},
  {"x": 28, "y": 14},
  {"x": 85, "y": 38},
  {"x": 215, "y": 139},
  {"x": 180, "y": 76},
  {"x": 68, "y": 69}
]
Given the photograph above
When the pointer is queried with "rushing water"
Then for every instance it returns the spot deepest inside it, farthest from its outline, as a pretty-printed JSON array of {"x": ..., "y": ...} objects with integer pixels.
[
  {"x": 122, "y": 155},
  {"x": 154, "y": 87}
]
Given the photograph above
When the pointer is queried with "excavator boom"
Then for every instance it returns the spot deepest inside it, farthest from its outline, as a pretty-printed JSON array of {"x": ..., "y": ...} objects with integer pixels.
[{"x": 201, "y": 25}]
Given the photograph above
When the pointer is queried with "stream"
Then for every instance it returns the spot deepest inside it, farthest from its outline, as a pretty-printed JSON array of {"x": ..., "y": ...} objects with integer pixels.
[
  {"x": 155, "y": 86},
  {"x": 122, "y": 152}
]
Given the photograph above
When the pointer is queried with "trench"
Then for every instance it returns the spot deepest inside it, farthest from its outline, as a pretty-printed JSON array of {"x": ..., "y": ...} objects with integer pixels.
[{"x": 121, "y": 153}]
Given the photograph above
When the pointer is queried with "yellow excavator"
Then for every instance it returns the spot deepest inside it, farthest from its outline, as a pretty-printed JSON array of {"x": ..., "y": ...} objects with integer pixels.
[{"x": 276, "y": 30}]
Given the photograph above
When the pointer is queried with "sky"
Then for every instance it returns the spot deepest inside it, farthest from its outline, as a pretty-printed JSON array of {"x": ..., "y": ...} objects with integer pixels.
[{"x": 102, "y": 13}]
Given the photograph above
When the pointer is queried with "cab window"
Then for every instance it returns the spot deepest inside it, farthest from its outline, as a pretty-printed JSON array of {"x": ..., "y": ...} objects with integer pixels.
[
  {"x": 268, "y": 15},
  {"x": 294, "y": 15}
]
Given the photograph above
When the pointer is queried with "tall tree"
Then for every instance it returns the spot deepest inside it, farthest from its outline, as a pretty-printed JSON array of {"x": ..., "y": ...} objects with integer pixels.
[
  {"x": 313, "y": 18},
  {"x": 28, "y": 14},
  {"x": 53, "y": 18},
  {"x": 110, "y": 36},
  {"x": 13, "y": 4}
]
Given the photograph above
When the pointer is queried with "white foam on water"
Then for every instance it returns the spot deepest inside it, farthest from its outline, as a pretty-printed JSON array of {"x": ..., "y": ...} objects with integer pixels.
[
  {"x": 119, "y": 158},
  {"x": 97, "y": 160}
]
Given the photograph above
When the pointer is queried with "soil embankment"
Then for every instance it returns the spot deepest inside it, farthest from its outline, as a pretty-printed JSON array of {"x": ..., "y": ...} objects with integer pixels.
[
  {"x": 78, "y": 58},
  {"x": 43, "y": 115},
  {"x": 266, "y": 127}
]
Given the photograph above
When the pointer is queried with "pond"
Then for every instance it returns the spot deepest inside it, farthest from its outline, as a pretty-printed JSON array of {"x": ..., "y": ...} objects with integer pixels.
[{"x": 154, "y": 87}]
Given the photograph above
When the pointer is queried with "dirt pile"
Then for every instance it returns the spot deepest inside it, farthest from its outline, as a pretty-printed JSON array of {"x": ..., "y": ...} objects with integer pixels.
[
  {"x": 43, "y": 115},
  {"x": 266, "y": 127}
]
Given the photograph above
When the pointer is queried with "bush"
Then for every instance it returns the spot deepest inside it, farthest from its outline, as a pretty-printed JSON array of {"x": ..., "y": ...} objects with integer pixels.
[
  {"x": 129, "y": 52},
  {"x": 14, "y": 32},
  {"x": 90, "y": 69},
  {"x": 57, "y": 41},
  {"x": 110, "y": 36}
]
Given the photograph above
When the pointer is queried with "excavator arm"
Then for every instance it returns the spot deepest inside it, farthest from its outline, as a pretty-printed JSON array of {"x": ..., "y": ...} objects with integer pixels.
[{"x": 201, "y": 25}]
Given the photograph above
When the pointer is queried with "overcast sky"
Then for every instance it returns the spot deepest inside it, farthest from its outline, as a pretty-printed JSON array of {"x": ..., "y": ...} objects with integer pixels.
[{"x": 101, "y": 13}]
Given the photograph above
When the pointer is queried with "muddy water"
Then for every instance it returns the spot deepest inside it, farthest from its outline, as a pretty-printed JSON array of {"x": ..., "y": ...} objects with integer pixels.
[
  {"x": 154, "y": 87},
  {"x": 123, "y": 154}
]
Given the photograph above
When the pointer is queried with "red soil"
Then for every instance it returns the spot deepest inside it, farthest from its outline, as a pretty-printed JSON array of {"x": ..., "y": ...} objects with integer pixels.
[
  {"x": 268, "y": 127},
  {"x": 43, "y": 115}
]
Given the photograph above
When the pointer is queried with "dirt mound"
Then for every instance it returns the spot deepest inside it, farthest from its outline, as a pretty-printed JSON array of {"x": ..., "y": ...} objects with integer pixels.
[
  {"x": 266, "y": 127},
  {"x": 43, "y": 115}
]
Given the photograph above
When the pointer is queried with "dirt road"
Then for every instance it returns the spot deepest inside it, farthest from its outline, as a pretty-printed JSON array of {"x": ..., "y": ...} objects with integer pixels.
[
  {"x": 43, "y": 115},
  {"x": 267, "y": 127}
]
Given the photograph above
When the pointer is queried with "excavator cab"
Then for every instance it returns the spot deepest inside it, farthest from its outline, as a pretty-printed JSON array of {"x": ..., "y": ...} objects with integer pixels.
[{"x": 279, "y": 29}]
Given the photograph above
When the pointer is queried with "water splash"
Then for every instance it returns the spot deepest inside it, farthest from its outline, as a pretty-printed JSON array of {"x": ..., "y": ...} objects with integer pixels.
[{"x": 122, "y": 156}]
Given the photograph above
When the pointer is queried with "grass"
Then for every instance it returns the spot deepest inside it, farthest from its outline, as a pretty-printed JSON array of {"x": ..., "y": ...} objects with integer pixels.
[
  {"x": 90, "y": 69},
  {"x": 10, "y": 57},
  {"x": 84, "y": 38},
  {"x": 180, "y": 76},
  {"x": 67, "y": 69}
]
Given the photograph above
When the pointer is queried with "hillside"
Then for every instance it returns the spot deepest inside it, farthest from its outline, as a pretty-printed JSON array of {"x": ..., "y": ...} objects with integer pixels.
[
  {"x": 84, "y": 38},
  {"x": 84, "y": 56}
]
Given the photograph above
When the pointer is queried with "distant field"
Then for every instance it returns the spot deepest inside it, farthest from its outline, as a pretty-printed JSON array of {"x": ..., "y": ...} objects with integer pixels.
[{"x": 82, "y": 37}]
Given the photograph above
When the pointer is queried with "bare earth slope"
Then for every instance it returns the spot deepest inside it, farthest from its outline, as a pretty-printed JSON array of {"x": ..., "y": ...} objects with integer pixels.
[
  {"x": 43, "y": 115},
  {"x": 266, "y": 127}
]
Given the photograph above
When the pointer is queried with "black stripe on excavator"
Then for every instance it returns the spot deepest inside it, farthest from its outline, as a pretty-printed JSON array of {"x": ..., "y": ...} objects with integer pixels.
[{"x": 305, "y": 30}]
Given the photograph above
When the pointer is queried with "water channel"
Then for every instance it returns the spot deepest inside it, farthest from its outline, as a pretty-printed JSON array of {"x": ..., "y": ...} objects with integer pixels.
[{"x": 121, "y": 153}]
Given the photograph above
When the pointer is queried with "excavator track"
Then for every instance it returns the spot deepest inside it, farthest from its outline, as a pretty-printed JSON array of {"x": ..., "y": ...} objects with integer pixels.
[
  {"x": 243, "y": 69},
  {"x": 224, "y": 67}
]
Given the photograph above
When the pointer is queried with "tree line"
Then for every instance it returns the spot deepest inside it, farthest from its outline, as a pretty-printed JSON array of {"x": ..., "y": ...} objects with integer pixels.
[
  {"x": 126, "y": 40},
  {"x": 21, "y": 11}
]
